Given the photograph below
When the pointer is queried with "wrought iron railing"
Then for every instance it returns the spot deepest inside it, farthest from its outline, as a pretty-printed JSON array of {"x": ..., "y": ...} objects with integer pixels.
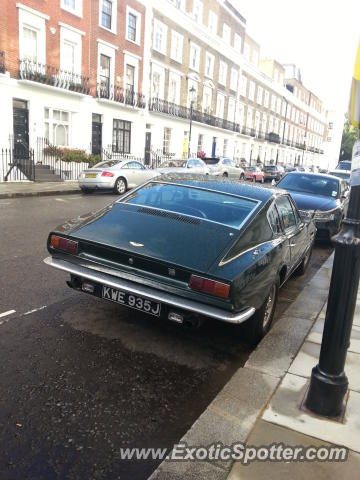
[
  {"x": 17, "y": 163},
  {"x": 169, "y": 108},
  {"x": 2, "y": 62},
  {"x": 49, "y": 75},
  {"x": 121, "y": 95}
]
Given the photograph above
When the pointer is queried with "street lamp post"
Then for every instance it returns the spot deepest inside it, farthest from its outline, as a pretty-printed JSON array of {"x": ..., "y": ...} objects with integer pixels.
[
  {"x": 191, "y": 91},
  {"x": 329, "y": 383},
  {"x": 283, "y": 134}
]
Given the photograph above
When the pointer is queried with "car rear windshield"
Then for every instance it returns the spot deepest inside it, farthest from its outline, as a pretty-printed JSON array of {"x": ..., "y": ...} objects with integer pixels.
[
  {"x": 312, "y": 184},
  {"x": 344, "y": 166},
  {"x": 251, "y": 169},
  {"x": 211, "y": 161},
  {"x": 173, "y": 163},
  {"x": 270, "y": 168},
  {"x": 107, "y": 164},
  {"x": 345, "y": 176},
  {"x": 203, "y": 204}
]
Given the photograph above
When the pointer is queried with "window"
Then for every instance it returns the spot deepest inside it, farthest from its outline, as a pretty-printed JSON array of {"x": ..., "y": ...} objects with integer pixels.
[
  {"x": 259, "y": 95},
  {"x": 121, "y": 136},
  {"x": 105, "y": 72},
  {"x": 220, "y": 101},
  {"x": 200, "y": 142},
  {"x": 247, "y": 51},
  {"x": 106, "y": 14},
  {"x": 68, "y": 60},
  {"x": 264, "y": 122},
  {"x": 222, "y": 72},
  {"x": 160, "y": 32},
  {"x": 231, "y": 109},
  {"x": 197, "y": 12},
  {"x": 286, "y": 211},
  {"x": 29, "y": 44},
  {"x": 209, "y": 65},
  {"x": 207, "y": 97},
  {"x": 225, "y": 151},
  {"x": 70, "y": 50},
  {"x": 178, "y": 4},
  {"x": 252, "y": 91},
  {"x": 278, "y": 106},
  {"x": 266, "y": 99},
  {"x": 131, "y": 30},
  {"x": 274, "y": 220},
  {"x": 234, "y": 79},
  {"x": 237, "y": 42},
  {"x": 273, "y": 102},
  {"x": 243, "y": 85},
  {"x": 212, "y": 22},
  {"x": 130, "y": 78},
  {"x": 158, "y": 81},
  {"x": 166, "y": 140},
  {"x": 72, "y": 6},
  {"x": 194, "y": 56},
  {"x": 176, "y": 52},
  {"x": 133, "y": 25},
  {"x": 249, "y": 117},
  {"x": 57, "y": 127},
  {"x": 174, "y": 88},
  {"x": 226, "y": 33}
]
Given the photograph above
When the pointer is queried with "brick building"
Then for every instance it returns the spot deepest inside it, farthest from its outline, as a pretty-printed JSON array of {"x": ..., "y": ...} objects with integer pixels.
[{"x": 126, "y": 75}]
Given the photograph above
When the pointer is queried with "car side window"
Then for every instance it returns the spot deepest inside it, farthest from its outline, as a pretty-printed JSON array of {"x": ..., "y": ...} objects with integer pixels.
[
  {"x": 286, "y": 211},
  {"x": 199, "y": 163},
  {"x": 227, "y": 161},
  {"x": 274, "y": 220},
  {"x": 191, "y": 163},
  {"x": 126, "y": 165},
  {"x": 137, "y": 165}
]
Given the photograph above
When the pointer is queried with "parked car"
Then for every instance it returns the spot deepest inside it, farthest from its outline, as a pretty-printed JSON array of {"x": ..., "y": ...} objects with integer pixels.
[
  {"x": 116, "y": 175},
  {"x": 325, "y": 195},
  {"x": 290, "y": 168},
  {"x": 192, "y": 165},
  {"x": 344, "y": 174},
  {"x": 216, "y": 249},
  {"x": 224, "y": 166},
  {"x": 273, "y": 172},
  {"x": 344, "y": 165},
  {"x": 254, "y": 174}
]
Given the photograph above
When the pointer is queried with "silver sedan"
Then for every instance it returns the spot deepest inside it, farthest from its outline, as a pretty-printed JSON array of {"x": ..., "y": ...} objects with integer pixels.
[
  {"x": 117, "y": 175},
  {"x": 192, "y": 165}
]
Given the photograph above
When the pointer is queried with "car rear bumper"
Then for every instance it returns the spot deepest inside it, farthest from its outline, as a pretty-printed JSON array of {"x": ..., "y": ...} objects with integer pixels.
[
  {"x": 169, "y": 299},
  {"x": 101, "y": 182}
]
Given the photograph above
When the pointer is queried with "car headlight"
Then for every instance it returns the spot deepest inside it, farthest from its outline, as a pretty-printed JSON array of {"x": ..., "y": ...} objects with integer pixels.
[{"x": 327, "y": 216}]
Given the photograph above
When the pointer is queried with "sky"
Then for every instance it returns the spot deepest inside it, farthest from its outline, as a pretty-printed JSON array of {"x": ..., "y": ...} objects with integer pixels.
[{"x": 319, "y": 36}]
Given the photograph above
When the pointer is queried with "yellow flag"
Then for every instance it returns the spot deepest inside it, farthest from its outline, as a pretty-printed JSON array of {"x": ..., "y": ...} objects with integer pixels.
[{"x": 354, "y": 110}]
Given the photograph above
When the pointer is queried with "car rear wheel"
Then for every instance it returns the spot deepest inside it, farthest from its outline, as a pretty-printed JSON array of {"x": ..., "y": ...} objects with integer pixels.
[
  {"x": 87, "y": 190},
  {"x": 262, "y": 180},
  {"x": 253, "y": 179},
  {"x": 120, "y": 186},
  {"x": 260, "y": 323},
  {"x": 305, "y": 263},
  {"x": 225, "y": 174},
  {"x": 242, "y": 177}
]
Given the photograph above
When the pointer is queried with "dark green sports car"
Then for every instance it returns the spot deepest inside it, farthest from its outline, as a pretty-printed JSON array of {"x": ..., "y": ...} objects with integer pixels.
[{"x": 186, "y": 247}]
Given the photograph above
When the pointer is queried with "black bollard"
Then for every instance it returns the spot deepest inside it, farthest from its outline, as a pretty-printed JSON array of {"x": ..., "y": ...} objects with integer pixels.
[{"x": 329, "y": 383}]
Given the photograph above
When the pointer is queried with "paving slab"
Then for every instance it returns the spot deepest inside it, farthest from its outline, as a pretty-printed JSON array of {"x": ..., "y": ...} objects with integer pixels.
[
  {"x": 308, "y": 357},
  {"x": 188, "y": 471},
  {"x": 280, "y": 346},
  {"x": 317, "y": 331},
  {"x": 266, "y": 433},
  {"x": 284, "y": 409}
]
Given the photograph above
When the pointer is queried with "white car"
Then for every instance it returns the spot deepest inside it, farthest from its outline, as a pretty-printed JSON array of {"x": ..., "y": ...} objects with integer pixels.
[
  {"x": 116, "y": 175},
  {"x": 344, "y": 174},
  {"x": 192, "y": 165},
  {"x": 225, "y": 167}
]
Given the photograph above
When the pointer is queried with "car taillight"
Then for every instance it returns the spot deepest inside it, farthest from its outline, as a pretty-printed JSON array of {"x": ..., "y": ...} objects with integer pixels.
[
  {"x": 211, "y": 287},
  {"x": 64, "y": 244},
  {"x": 107, "y": 174}
]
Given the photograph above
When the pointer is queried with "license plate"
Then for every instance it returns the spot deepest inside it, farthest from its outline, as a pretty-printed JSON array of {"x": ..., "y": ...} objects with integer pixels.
[
  {"x": 132, "y": 301},
  {"x": 90, "y": 175}
]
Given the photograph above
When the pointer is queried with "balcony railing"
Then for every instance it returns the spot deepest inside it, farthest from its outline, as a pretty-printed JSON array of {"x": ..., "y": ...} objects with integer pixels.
[
  {"x": 163, "y": 106},
  {"x": 2, "y": 62},
  {"x": 120, "y": 95},
  {"x": 49, "y": 75}
]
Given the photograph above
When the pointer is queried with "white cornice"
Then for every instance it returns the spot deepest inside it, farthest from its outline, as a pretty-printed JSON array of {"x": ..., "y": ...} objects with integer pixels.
[
  {"x": 73, "y": 29},
  {"x": 33, "y": 11},
  {"x": 126, "y": 52},
  {"x": 107, "y": 44}
]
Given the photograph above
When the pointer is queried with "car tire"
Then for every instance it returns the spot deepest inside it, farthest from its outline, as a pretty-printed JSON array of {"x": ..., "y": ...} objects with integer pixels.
[
  {"x": 87, "y": 190},
  {"x": 260, "y": 323},
  {"x": 242, "y": 177},
  {"x": 253, "y": 179},
  {"x": 262, "y": 180},
  {"x": 301, "y": 269},
  {"x": 225, "y": 174},
  {"x": 120, "y": 186}
]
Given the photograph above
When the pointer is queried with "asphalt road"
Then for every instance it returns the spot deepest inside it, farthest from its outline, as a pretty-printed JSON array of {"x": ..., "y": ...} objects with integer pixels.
[{"x": 80, "y": 378}]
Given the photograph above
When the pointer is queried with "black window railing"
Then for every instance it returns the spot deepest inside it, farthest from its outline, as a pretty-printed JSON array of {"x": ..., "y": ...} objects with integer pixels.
[
  {"x": 2, "y": 62},
  {"x": 122, "y": 95},
  {"x": 169, "y": 108},
  {"x": 49, "y": 75}
]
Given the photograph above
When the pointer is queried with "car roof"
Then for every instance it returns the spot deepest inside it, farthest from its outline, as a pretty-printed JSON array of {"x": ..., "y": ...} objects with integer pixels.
[
  {"x": 221, "y": 185},
  {"x": 314, "y": 174}
]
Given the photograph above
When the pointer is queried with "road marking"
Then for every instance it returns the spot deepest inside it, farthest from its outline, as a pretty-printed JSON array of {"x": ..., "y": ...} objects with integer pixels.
[
  {"x": 60, "y": 200},
  {"x": 35, "y": 310},
  {"x": 5, "y": 203},
  {"x": 5, "y": 314}
]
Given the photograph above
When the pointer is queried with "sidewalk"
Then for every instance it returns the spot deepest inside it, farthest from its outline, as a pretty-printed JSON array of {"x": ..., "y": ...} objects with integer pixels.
[
  {"x": 37, "y": 189},
  {"x": 261, "y": 404}
]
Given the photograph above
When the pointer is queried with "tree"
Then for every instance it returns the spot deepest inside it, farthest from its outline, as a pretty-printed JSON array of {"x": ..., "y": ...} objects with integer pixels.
[{"x": 348, "y": 139}]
